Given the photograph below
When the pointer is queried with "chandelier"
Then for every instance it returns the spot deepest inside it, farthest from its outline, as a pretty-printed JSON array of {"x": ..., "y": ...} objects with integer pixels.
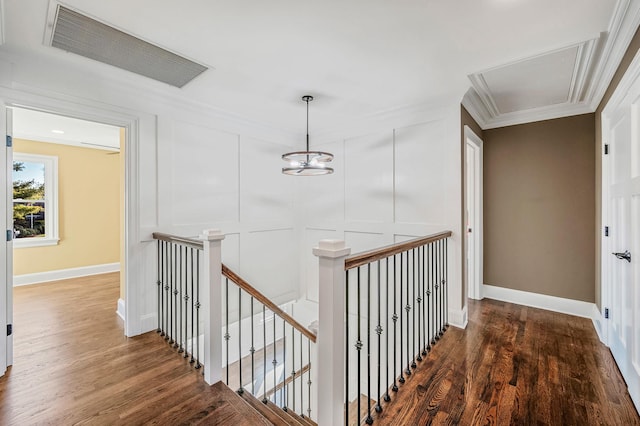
[{"x": 307, "y": 163}]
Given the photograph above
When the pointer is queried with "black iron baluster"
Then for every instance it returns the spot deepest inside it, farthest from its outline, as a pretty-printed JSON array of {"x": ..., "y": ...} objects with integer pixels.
[
  {"x": 401, "y": 379},
  {"x": 407, "y": 309},
  {"x": 437, "y": 290},
  {"x": 284, "y": 391},
  {"x": 308, "y": 378},
  {"x": 159, "y": 261},
  {"x": 416, "y": 268},
  {"x": 165, "y": 267},
  {"x": 301, "y": 374},
  {"x": 395, "y": 326},
  {"x": 227, "y": 336},
  {"x": 413, "y": 297},
  {"x": 446, "y": 283},
  {"x": 387, "y": 398},
  {"x": 346, "y": 348},
  {"x": 264, "y": 354},
  {"x": 432, "y": 295},
  {"x": 423, "y": 282},
  {"x": 293, "y": 368},
  {"x": 369, "y": 419},
  {"x": 192, "y": 360},
  {"x": 359, "y": 346},
  {"x": 169, "y": 293},
  {"x": 186, "y": 301},
  {"x": 379, "y": 333},
  {"x": 252, "y": 351},
  {"x": 179, "y": 302},
  {"x": 275, "y": 360},
  {"x": 241, "y": 389},
  {"x": 197, "y": 336}
]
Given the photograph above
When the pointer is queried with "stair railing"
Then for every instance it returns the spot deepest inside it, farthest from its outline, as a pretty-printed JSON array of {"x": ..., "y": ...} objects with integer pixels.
[
  {"x": 208, "y": 312},
  {"x": 380, "y": 313}
]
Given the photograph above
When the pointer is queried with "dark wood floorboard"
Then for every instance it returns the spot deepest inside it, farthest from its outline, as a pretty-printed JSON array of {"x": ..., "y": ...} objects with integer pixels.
[
  {"x": 73, "y": 365},
  {"x": 514, "y": 365}
]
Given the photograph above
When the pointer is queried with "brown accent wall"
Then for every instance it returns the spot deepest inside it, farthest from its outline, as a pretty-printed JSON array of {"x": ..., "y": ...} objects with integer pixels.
[
  {"x": 539, "y": 197},
  {"x": 465, "y": 120},
  {"x": 622, "y": 68}
]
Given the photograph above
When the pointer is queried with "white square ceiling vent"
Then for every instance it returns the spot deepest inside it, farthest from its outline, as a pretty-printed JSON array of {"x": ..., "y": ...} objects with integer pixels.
[{"x": 84, "y": 36}]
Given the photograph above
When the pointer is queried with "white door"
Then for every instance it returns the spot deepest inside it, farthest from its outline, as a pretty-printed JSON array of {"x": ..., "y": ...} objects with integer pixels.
[
  {"x": 6, "y": 247},
  {"x": 474, "y": 213},
  {"x": 621, "y": 249}
]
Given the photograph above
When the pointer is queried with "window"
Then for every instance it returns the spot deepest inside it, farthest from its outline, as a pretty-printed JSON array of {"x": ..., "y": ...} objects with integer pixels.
[{"x": 35, "y": 200}]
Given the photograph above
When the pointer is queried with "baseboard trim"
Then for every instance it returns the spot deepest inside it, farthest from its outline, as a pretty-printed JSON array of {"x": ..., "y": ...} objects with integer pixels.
[
  {"x": 542, "y": 301},
  {"x": 458, "y": 318},
  {"x": 63, "y": 274},
  {"x": 120, "y": 309},
  {"x": 596, "y": 318}
]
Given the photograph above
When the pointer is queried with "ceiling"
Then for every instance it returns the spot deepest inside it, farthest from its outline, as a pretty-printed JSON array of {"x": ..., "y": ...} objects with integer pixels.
[
  {"x": 512, "y": 60},
  {"x": 45, "y": 127}
]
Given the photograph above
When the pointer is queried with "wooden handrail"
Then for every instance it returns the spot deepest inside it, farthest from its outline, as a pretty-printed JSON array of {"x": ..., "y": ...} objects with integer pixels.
[
  {"x": 365, "y": 257},
  {"x": 190, "y": 242},
  {"x": 266, "y": 302}
]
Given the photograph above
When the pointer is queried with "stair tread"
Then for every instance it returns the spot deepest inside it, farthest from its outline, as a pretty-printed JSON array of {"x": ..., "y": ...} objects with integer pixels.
[
  {"x": 272, "y": 412},
  {"x": 250, "y": 416}
]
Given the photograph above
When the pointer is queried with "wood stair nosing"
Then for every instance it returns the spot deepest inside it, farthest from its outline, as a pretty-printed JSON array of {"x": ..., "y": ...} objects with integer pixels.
[
  {"x": 271, "y": 412},
  {"x": 297, "y": 417},
  {"x": 308, "y": 421}
]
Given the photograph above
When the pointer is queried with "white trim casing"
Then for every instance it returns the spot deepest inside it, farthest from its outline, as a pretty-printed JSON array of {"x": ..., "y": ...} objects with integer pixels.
[
  {"x": 120, "y": 309},
  {"x": 541, "y": 301},
  {"x": 470, "y": 136},
  {"x": 63, "y": 274}
]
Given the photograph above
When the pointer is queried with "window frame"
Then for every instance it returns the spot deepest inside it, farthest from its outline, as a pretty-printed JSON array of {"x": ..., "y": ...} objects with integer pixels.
[{"x": 51, "y": 218}]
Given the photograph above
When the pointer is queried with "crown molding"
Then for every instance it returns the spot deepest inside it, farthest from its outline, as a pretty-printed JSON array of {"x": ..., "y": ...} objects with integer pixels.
[{"x": 596, "y": 63}]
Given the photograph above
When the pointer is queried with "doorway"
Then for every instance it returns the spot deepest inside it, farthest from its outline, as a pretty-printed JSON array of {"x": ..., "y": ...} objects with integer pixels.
[
  {"x": 128, "y": 131},
  {"x": 473, "y": 213}
]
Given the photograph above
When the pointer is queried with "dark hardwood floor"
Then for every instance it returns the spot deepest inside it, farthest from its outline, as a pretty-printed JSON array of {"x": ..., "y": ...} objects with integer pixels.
[
  {"x": 512, "y": 366},
  {"x": 515, "y": 365}
]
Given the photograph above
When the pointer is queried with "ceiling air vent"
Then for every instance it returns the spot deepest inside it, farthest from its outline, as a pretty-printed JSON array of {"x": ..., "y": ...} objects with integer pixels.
[{"x": 87, "y": 37}]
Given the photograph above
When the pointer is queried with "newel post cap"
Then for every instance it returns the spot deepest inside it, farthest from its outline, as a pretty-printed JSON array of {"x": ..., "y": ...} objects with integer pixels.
[
  {"x": 331, "y": 249},
  {"x": 212, "y": 235}
]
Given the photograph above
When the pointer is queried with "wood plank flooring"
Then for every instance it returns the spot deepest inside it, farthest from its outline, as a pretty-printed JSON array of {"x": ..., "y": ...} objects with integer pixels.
[
  {"x": 73, "y": 365},
  {"x": 514, "y": 365}
]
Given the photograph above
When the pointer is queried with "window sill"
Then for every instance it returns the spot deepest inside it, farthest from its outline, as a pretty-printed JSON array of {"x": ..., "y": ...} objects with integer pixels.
[{"x": 34, "y": 242}]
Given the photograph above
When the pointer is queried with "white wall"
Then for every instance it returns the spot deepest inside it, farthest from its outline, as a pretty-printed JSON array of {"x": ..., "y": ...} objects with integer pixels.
[
  {"x": 197, "y": 168},
  {"x": 399, "y": 180},
  {"x": 201, "y": 168}
]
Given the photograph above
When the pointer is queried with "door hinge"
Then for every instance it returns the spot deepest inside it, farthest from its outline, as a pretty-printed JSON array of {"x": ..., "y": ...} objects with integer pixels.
[
  {"x": 606, "y": 313},
  {"x": 606, "y": 149},
  {"x": 9, "y": 329},
  {"x": 606, "y": 231},
  {"x": 9, "y": 235},
  {"x": 9, "y": 141}
]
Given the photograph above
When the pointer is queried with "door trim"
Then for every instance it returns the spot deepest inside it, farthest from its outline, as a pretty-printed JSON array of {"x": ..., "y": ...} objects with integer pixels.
[
  {"x": 131, "y": 123},
  {"x": 473, "y": 140}
]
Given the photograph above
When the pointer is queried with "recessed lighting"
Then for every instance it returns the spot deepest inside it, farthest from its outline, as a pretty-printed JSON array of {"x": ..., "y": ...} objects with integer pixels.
[{"x": 58, "y": 132}]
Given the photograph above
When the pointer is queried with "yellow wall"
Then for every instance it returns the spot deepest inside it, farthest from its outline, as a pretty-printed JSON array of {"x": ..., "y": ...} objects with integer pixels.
[{"x": 88, "y": 206}]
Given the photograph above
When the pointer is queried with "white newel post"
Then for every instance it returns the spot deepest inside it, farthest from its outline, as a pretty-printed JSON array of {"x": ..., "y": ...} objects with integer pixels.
[
  {"x": 331, "y": 336},
  {"x": 211, "y": 305}
]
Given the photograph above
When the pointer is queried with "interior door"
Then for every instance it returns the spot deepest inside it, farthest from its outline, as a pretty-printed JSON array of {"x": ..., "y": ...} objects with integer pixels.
[
  {"x": 622, "y": 167},
  {"x": 470, "y": 223}
]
